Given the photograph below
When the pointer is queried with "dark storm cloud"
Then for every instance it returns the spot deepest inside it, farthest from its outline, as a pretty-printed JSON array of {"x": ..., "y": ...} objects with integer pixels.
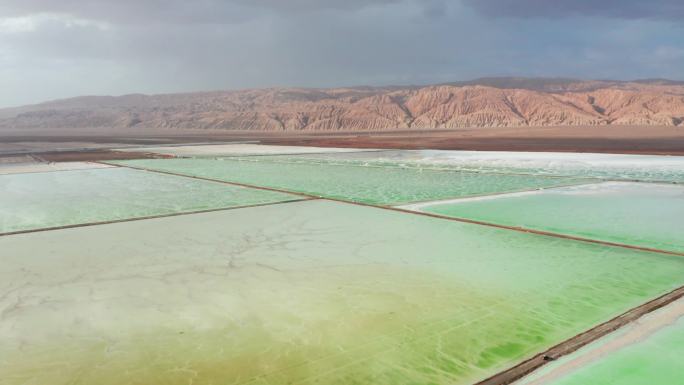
[{"x": 626, "y": 9}]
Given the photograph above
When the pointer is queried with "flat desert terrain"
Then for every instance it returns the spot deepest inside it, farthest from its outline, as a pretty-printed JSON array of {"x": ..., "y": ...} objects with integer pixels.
[{"x": 656, "y": 140}]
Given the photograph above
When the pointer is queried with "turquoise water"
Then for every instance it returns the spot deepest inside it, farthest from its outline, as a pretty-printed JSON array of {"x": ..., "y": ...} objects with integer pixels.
[
  {"x": 648, "y": 351},
  {"x": 50, "y": 199},
  {"x": 352, "y": 182},
  {"x": 302, "y": 293},
  {"x": 648, "y": 215},
  {"x": 657, "y": 360},
  {"x": 603, "y": 166}
]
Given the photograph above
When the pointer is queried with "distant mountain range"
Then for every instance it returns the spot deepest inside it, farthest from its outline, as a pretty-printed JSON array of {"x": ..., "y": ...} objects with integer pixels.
[{"x": 487, "y": 102}]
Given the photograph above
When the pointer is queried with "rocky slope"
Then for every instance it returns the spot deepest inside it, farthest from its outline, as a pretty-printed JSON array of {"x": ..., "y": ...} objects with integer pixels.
[{"x": 508, "y": 102}]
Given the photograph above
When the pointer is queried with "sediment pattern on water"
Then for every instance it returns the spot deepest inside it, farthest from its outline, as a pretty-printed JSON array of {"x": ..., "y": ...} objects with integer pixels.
[
  {"x": 657, "y": 360},
  {"x": 602, "y": 166},
  {"x": 648, "y": 351},
  {"x": 376, "y": 185},
  {"x": 640, "y": 214},
  {"x": 60, "y": 198},
  {"x": 307, "y": 292}
]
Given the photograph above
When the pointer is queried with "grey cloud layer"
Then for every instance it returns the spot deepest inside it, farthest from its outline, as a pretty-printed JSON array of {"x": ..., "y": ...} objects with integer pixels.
[
  {"x": 177, "y": 11},
  {"x": 71, "y": 47},
  {"x": 217, "y": 11},
  {"x": 626, "y": 9}
]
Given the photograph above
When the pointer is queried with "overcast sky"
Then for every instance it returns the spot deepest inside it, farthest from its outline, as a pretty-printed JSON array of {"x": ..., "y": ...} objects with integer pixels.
[{"x": 59, "y": 48}]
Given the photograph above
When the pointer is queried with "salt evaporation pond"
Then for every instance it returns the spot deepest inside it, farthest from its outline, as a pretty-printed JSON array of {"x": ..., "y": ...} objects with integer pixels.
[
  {"x": 50, "y": 199},
  {"x": 606, "y": 166},
  {"x": 306, "y": 292},
  {"x": 657, "y": 360},
  {"x": 649, "y": 351},
  {"x": 376, "y": 185},
  {"x": 641, "y": 214}
]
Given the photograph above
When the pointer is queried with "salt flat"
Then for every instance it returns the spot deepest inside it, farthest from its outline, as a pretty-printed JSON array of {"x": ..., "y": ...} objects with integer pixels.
[{"x": 236, "y": 149}]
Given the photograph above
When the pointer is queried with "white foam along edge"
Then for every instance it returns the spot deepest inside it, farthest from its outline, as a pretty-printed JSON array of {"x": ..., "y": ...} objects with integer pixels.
[
  {"x": 34, "y": 167},
  {"x": 586, "y": 188},
  {"x": 238, "y": 149}
]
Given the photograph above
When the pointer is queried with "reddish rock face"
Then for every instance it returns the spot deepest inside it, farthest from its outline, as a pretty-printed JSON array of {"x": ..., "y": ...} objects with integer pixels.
[{"x": 571, "y": 103}]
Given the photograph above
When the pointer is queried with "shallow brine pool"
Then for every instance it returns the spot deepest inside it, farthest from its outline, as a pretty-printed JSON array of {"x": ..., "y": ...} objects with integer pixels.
[
  {"x": 306, "y": 292},
  {"x": 640, "y": 214},
  {"x": 366, "y": 184},
  {"x": 61, "y": 198}
]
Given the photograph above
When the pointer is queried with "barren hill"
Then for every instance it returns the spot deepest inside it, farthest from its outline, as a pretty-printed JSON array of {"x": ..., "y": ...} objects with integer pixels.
[{"x": 493, "y": 102}]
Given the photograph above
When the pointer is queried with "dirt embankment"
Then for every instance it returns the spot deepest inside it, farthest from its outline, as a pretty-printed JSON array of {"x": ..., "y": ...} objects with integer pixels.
[
  {"x": 660, "y": 140},
  {"x": 618, "y": 140}
]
